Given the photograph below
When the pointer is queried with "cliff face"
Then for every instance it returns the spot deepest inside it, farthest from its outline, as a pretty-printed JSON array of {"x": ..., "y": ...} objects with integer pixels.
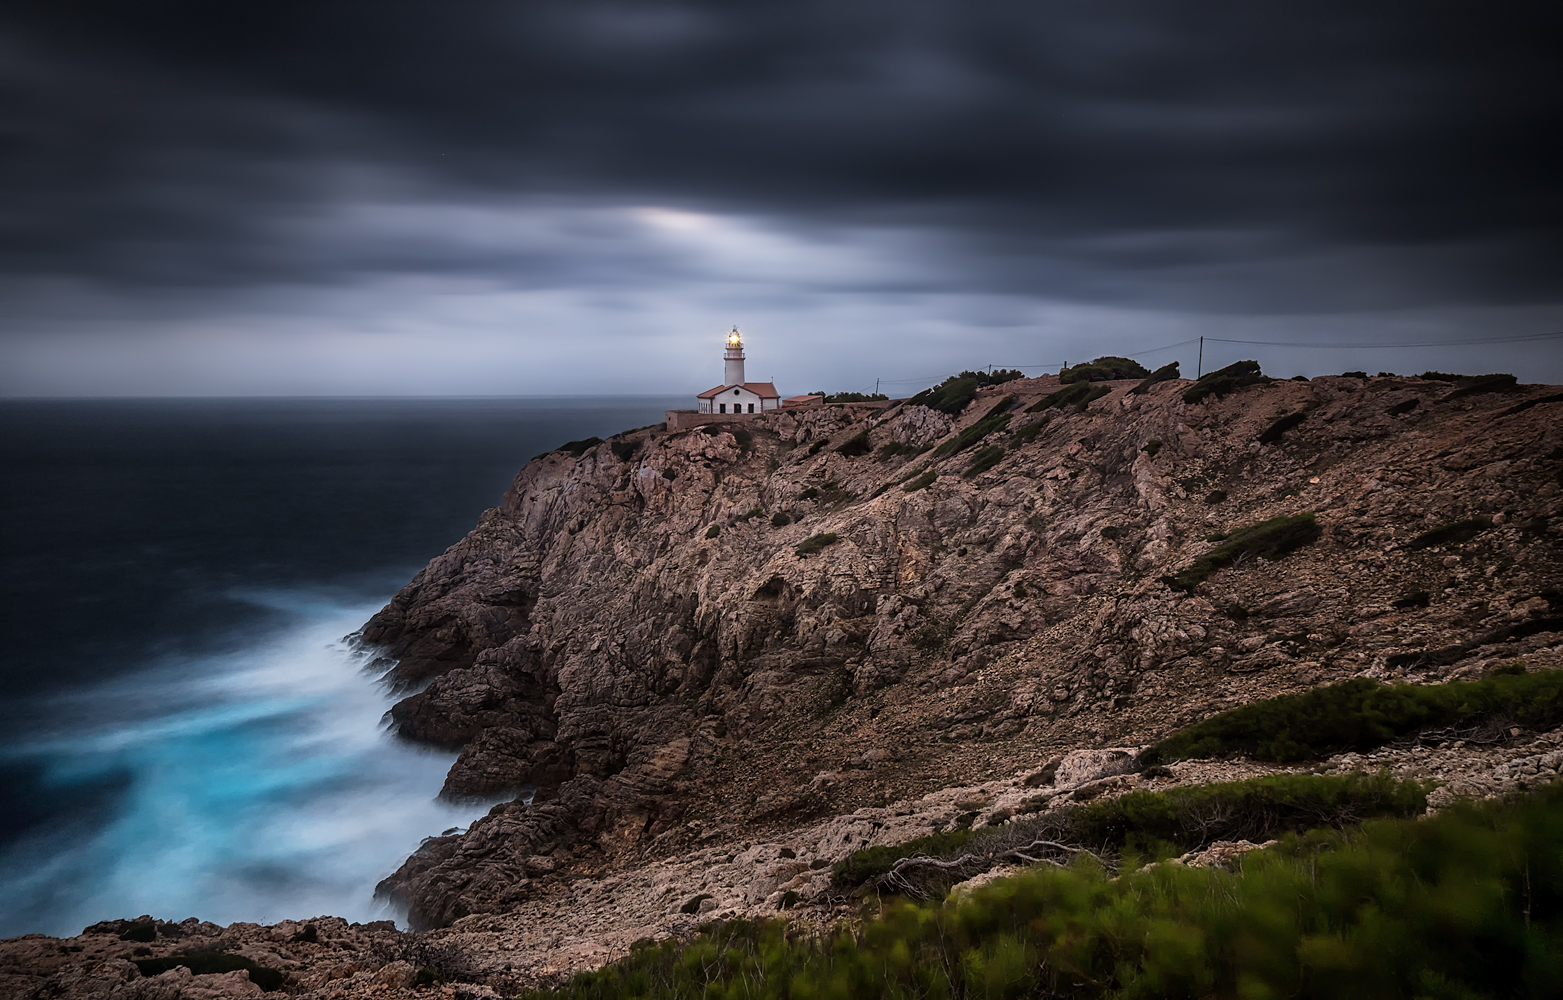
[{"x": 635, "y": 633}]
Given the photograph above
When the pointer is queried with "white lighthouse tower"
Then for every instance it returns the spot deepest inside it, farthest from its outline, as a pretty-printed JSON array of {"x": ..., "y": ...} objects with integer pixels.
[
  {"x": 733, "y": 359},
  {"x": 735, "y": 395}
]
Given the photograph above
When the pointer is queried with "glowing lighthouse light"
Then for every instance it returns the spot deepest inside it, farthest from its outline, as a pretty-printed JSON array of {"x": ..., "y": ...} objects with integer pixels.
[{"x": 736, "y": 395}]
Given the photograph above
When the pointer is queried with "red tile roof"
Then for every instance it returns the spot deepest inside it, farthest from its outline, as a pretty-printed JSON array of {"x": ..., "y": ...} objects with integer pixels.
[{"x": 765, "y": 390}]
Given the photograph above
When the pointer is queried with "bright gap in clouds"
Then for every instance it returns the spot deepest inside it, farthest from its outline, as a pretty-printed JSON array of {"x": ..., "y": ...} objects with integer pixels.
[{"x": 455, "y": 299}]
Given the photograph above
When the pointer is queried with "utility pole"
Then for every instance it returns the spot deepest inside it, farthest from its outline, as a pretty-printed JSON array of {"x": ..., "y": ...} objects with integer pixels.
[
  {"x": 1199, "y": 369},
  {"x": 876, "y": 387}
]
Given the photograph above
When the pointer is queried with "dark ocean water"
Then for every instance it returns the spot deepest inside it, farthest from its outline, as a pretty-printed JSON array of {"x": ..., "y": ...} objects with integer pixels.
[{"x": 182, "y": 732}]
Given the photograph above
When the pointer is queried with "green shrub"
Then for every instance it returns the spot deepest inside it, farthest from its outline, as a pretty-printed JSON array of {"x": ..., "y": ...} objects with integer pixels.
[
  {"x": 1104, "y": 369},
  {"x": 1452, "y": 533},
  {"x": 1440, "y": 377},
  {"x": 888, "y": 451},
  {"x": 1215, "y": 496},
  {"x": 1151, "y": 447},
  {"x": 1224, "y": 380},
  {"x": 713, "y": 531},
  {"x": 780, "y": 519},
  {"x": 860, "y": 866},
  {"x": 1361, "y": 714},
  {"x": 949, "y": 396},
  {"x": 1556, "y": 397},
  {"x": 579, "y": 448},
  {"x": 808, "y": 494},
  {"x": 814, "y": 449},
  {"x": 1483, "y": 383},
  {"x": 856, "y": 397},
  {"x": 1467, "y": 904},
  {"x": 855, "y": 445},
  {"x": 207, "y": 963},
  {"x": 1269, "y": 539},
  {"x": 1404, "y": 406},
  {"x": 1273, "y": 433},
  {"x": 693, "y": 905},
  {"x": 141, "y": 932},
  {"x": 814, "y": 543},
  {"x": 1415, "y": 599},
  {"x": 1028, "y": 433},
  {"x": 1079, "y": 395},
  {"x": 986, "y": 458},
  {"x": 995, "y": 420},
  {"x": 624, "y": 450},
  {"x": 1165, "y": 373},
  {"x": 1448, "y": 655},
  {"x": 921, "y": 482}
]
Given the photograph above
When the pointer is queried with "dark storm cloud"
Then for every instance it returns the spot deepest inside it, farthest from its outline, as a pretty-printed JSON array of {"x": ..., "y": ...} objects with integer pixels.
[{"x": 1222, "y": 156}]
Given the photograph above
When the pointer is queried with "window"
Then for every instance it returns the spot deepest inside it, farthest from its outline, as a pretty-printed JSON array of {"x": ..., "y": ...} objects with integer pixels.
[{"x": 724, "y": 407}]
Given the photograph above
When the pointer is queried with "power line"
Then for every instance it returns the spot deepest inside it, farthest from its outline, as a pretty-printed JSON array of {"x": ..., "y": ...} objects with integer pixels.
[{"x": 1475, "y": 341}]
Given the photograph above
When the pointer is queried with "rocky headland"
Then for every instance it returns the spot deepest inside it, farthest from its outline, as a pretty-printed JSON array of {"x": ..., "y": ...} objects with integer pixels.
[{"x": 696, "y": 669}]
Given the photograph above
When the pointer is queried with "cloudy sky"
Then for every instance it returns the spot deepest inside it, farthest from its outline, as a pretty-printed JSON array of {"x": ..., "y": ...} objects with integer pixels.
[{"x": 540, "y": 196}]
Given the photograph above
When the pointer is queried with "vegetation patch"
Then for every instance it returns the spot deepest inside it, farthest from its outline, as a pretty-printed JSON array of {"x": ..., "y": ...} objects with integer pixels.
[
  {"x": 815, "y": 543},
  {"x": 871, "y": 862},
  {"x": 1415, "y": 599},
  {"x": 1404, "y": 406},
  {"x": 624, "y": 450},
  {"x": 853, "y": 397},
  {"x": 1273, "y": 433},
  {"x": 1466, "y": 904},
  {"x": 1104, "y": 369},
  {"x": 1495, "y": 382},
  {"x": 1151, "y": 447},
  {"x": 855, "y": 445},
  {"x": 888, "y": 451},
  {"x": 1224, "y": 380},
  {"x": 1028, "y": 433},
  {"x": 1361, "y": 714},
  {"x": 1452, "y": 533},
  {"x": 814, "y": 449},
  {"x": 1269, "y": 539},
  {"x": 780, "y": 519},
  {"x": 921, "y": 482},
  {"x": 808, "y": 494},
  {"x": 986, "y": 458},
  {"x": 713, "y": 531},
  {"x": 1166, "y": 373},
  {"x": 1556, "y": 397},
  {"x": 995, "y": 420},
  {"x": 1079, "y": 395},
  {"x": 208, "y": 963},
  {"x": 579, "y": 448},
  {"x": 1449, "y": 655},
  {"x": 949, "y": 396}
]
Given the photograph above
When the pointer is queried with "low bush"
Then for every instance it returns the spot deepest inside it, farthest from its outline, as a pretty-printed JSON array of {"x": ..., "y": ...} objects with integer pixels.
[
  {"x": 814, "y": 449},
  {"x": 814, "y": 543},
  {"x": 1404, "y": 406},
  {"x": 1166, "y": 373},
  {"x": 1449, "y": 655},
  {"x": 1440, "y": 377},
  {"x": 1361, "y": 714},
  {"x": 1215, "y": 496},
  {"x": 1224, "y": 380},
  {"x": 809, "y": 494},
  {"x": 1452, "y": 533},
  {"x": 624, "y": 450},
  {"x": 1466, "y": 904},
  {"x": 1483, "y": 383},
  {"x": 855, "y": 445},
  {"x": 780, "y": 519},
  {"x": 1028, "y": 433},
  {"x": 921, "y": 482},
  {"x": 207, "y": 963},
  {"x": 871, "y": 862},
  {"x": 854, "y": 397},
  {"x": 994, "y": 420},
  {"x": 986, "y": 458},
  {"x": 1415, "y": 599},
  {"x": 1151, "y": 447},
  {"x": 713, "y": 531},
  {"x": 1269, "y": 539},
  {"x": 949, "y": 396},
  {"x": 1362, "y": 375},
  {"x": 1273, "y": 433},
  {"x": 1079, "y": 395},
  {"x": 579, "y": 448},
  {"x": 1556, "y": 397},
  {"x": 888, "y": 451},
  {"x": 1105, "y": 369}
]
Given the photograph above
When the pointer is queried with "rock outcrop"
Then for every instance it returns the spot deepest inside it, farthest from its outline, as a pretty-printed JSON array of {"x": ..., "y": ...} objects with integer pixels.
[{"x": 675, "y": 636}]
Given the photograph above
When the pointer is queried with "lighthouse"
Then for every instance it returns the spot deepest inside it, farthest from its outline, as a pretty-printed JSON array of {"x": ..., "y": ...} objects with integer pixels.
[
  {"x": 733, "y": 359},
  {"x": 735, "y": 395}
]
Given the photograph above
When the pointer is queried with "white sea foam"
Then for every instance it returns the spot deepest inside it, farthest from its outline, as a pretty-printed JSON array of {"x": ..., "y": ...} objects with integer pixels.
[{"x": 257, "y": 785}]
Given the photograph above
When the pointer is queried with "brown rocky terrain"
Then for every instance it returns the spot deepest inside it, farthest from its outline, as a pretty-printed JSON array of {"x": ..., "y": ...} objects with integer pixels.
[{"x": 705, "y": 710}]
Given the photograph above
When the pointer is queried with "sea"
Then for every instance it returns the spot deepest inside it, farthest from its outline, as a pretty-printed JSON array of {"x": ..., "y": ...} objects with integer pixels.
[{"x": 185, "y": 729}]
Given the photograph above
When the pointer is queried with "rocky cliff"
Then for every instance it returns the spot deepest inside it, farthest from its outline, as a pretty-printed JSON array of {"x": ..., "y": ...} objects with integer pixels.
[{"x": 677, "y": 637}]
